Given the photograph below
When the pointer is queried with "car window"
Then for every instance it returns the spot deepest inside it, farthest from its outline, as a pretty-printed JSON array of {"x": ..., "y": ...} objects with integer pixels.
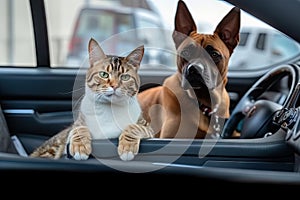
[
  {"x": 260, "y": 42},
  {"x": 109, "y": 20},
  {"x": 16, "y": 34},
  {"x": 243, "y": 38}
]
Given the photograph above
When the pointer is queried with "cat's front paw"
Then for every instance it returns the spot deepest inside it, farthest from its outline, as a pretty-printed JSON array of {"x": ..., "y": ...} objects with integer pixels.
[
  {"x": 80, "y": 146},
  {"x": 128, "y": 147}
]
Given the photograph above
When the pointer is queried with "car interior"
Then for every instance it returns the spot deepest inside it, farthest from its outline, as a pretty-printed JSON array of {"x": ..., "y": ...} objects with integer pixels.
[{"x": 266, "y": 152}]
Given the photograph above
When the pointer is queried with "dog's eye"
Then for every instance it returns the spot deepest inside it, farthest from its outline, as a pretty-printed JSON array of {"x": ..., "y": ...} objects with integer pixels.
[{"x": 214, "y": 54}]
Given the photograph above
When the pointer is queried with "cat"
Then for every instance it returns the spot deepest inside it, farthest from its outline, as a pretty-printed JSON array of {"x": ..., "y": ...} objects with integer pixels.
[{"x": 108, "y": 109}]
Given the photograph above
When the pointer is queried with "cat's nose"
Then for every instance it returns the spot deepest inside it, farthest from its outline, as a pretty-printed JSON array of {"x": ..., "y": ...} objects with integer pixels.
[{"x": 114, "y": 86}]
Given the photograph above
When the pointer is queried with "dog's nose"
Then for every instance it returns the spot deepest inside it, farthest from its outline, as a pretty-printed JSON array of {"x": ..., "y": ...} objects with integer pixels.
[
  {"x": 192, "y": 76},
  {"x": 194, "y": 70}
]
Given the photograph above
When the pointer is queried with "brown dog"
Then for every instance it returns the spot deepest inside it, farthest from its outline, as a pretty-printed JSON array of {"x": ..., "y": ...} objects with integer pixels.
[{"x": 188, "y": 100}]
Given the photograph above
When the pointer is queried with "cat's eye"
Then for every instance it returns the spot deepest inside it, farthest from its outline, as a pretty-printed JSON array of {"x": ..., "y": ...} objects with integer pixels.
[
  {"x": 103, "y": 74},
  {"x": 125, "y": 77}
]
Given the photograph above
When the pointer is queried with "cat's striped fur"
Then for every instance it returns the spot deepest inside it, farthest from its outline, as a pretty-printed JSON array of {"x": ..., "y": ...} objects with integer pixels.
[{"x": 109, "y": 109}]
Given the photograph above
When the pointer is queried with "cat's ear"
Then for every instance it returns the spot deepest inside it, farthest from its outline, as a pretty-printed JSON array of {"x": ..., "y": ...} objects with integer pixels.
[
  {"x": 136, "y": 56},
  {"x": 95, "y": 52}
]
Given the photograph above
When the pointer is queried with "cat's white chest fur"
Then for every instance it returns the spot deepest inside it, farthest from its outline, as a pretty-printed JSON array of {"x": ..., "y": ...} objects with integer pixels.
[{"x": 107, "y": 120}]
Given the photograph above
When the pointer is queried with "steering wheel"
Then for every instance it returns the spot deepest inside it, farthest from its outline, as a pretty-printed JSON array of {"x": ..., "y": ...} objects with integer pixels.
[{"x": 256, "y": 116}]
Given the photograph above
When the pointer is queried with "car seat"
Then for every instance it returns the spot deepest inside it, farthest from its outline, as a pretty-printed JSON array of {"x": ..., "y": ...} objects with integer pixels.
[{"x": 6, "y": 142}]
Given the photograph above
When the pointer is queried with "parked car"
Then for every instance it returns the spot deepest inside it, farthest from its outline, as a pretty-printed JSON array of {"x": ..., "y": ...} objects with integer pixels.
[
  {"x": 120, "y": 29},
  {"x": 265, "y": 44},
  {"x": 37, "y": 98}
]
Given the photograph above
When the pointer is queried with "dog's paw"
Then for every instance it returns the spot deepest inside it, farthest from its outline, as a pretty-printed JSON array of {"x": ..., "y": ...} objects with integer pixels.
[
  {"x": 79, "y": 146},
  {"x": 128, "y": 149}
]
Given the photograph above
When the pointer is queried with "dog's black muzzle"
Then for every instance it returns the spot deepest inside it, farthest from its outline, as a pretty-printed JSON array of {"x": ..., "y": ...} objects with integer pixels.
[
  {"x": 200, "y": 76},
  {"x": 192, "y": 77},
  {"x": 200, "y": 71}
]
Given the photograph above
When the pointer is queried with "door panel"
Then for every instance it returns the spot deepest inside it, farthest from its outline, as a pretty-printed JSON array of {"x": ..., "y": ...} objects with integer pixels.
[
  {"x": 270, "y": 153},
  {"x": 37, "y": 100}
]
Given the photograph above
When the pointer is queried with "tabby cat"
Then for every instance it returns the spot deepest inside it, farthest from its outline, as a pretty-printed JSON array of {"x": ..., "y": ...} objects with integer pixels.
[{"x": 108, "y": 109}]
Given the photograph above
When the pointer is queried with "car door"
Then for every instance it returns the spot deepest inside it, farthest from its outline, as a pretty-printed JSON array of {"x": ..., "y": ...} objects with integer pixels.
[
  {"x": 35, "y": 98},
  {"x": 38, "y": 98}
]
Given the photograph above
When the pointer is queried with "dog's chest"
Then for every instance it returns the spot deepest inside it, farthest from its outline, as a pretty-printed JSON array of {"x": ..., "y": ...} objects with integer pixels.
[{"x": 191, "y": 114}]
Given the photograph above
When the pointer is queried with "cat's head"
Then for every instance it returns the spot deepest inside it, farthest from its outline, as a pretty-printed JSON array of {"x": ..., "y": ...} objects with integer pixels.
[{"x": 113, "y": 77}]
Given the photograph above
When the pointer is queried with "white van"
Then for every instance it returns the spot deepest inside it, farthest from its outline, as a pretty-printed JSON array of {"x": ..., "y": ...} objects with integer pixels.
[{"x": 266, "y": 45}]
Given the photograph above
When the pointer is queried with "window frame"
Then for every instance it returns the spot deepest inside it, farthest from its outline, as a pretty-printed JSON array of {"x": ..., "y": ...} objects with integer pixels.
[{"x": 40, "y": 33}]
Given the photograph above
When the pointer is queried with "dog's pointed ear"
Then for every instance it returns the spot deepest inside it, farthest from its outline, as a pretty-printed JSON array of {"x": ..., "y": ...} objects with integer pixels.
[
  {"x": 228, "y": 29},
  {"x": 184, "y": 23}
]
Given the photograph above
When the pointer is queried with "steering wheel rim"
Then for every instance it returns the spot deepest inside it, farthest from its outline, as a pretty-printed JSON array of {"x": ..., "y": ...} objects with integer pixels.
[{"x": 257, "y": 89}]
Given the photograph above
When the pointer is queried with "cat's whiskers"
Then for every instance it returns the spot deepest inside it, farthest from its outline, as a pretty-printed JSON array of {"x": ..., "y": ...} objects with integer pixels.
[
  {"x": 76, "y": 103},
  {"x": 128, "y": 92},
  {"x": 98, "y": 96},
  {"x": 72, "y": 91},
  {"x": 79, "y": 88}
]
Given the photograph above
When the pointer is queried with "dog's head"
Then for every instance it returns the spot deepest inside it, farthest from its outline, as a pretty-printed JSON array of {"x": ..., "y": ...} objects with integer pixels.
[{"x": 203, "y": 58}]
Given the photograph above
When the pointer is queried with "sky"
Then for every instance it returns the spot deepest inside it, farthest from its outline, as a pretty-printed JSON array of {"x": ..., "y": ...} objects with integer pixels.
[{"x": 206, "y": 13}]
